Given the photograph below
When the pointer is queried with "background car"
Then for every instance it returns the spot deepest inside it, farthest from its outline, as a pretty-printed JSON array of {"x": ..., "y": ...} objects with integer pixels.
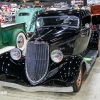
[
  {"x": 11, "y": 36},
  {"x": 28, "y": 15}
]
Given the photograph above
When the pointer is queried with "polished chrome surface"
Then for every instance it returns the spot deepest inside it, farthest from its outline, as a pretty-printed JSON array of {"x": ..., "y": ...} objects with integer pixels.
[{"x": 37, "y": 55}]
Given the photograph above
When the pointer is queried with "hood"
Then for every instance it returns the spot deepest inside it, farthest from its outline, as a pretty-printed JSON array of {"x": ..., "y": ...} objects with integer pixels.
[{"x": 55, "y": 34}]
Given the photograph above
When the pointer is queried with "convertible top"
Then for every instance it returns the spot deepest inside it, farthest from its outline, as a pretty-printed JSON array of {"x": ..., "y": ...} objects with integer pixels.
[{"x": 79, "y": 13}]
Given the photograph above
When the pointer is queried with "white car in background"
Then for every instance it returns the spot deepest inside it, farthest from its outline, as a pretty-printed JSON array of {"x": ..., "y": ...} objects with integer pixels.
[{"x": 14, "y": 9}]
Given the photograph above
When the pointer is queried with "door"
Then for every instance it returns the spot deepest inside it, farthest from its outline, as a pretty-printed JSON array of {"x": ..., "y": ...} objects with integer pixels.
[{"x": 83, "y": 38}]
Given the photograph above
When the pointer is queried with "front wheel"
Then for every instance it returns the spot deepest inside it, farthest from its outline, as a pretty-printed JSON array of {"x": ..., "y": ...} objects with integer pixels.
[
  {"x": 21, "y": 41},
  {"x": 78, "y": 83}
]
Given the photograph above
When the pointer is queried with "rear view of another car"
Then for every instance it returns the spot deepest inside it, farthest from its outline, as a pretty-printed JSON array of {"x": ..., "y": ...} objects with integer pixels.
[{"x": 95, "y": 10}]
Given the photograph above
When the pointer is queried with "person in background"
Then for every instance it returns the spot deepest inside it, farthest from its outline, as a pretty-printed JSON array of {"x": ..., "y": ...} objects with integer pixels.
[
  {"x": 6, "y": 15},
  {"x": 19, "y": 7},
  {"x": 5, "y": 12},
  {"x": 88, "y": 7},
  {"x": 83, "y": 7},
  {"x": 0, "y": 11},
  {"x": 77, "y": 7},
  {"x": 24, "y": 5}
]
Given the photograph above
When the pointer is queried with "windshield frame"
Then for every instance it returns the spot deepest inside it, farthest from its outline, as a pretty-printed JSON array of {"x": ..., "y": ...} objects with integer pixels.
[{"x": 58, "y": 25}]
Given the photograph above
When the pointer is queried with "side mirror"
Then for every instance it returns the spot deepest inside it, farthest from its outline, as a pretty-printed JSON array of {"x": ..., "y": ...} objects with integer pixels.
[{"x": 87, "y": 25}]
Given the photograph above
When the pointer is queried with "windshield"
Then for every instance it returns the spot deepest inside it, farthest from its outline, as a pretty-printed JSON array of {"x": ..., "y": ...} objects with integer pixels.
[{"x": 69, "y": 21}]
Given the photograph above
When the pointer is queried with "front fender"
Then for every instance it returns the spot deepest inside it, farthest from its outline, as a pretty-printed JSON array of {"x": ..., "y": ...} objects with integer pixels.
[
  {"x": 10, "y": 67},
  {"x": 69, "y": 70}
]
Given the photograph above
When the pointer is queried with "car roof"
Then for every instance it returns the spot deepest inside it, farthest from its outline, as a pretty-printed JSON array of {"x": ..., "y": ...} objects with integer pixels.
[
  {"x": 29, "y": 10},
  {"x": 79, "y": 13}
]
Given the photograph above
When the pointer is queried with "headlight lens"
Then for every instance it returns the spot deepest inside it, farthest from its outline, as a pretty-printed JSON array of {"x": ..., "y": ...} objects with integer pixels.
[
  {"x": 56, "y": 56},
  {"x": 15, "y": 54}
]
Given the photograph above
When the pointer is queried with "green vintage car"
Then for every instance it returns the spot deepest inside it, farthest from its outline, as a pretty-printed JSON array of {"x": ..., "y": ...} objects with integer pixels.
[
  {"x": 28, "y": 15},
  {"x": 11, "y": 36}
]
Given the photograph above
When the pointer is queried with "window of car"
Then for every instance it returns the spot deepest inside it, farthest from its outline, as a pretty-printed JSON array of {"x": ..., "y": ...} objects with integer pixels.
[
  {"x": 69, "y": 21},
  {"x": 24, "y": 14}
]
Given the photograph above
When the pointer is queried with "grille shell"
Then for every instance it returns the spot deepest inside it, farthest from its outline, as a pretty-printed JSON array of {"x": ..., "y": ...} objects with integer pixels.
[{"x": 37, "y": 60}]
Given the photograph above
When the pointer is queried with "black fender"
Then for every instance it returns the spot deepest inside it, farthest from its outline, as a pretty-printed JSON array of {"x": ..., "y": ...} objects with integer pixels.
[
  {"x": 10, "y": 67},
  {"x": 69, "y": 70},
  {"x": 93, "y": 43}
]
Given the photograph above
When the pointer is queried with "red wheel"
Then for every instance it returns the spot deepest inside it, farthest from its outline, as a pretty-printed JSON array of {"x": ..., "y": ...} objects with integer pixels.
[
  {"x": 77, "y": 84},
  {"x": 79, "y": 80}
]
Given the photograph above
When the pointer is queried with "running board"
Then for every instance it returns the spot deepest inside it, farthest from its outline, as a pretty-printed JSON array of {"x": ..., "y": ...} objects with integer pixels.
[
  {"x": 6, "y": 49},
  {"x": 91, "y": 56}
]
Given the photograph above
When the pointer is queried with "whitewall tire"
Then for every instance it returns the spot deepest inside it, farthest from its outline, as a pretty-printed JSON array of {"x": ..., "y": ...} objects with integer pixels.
[{"x": 21, "y": 41}]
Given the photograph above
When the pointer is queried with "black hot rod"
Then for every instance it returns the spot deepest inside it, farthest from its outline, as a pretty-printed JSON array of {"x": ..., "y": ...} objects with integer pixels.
[{"x": 63, "y": 49}]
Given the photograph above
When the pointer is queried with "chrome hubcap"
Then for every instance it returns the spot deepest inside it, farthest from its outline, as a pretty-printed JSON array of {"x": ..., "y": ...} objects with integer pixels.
[{"x": 20, "y": 41}]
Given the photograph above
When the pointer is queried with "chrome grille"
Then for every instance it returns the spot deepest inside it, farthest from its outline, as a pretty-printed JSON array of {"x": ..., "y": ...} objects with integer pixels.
[{"x": 37, "y": 55}]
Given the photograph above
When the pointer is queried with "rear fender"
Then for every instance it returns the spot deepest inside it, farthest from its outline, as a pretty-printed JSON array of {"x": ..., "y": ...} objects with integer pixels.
[
  {"x": 13, "y": 37},
  {"x": 93, "y": 43}
]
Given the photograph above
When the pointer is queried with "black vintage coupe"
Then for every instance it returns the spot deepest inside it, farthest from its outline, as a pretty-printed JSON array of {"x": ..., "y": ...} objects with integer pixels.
[{"x": 63, "y": 49}]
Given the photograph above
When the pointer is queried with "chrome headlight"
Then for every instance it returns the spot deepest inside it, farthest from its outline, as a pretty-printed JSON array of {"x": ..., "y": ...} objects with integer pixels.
[
  {"x": 15, "y": 54},
  {"x": 56, "y": 56}
]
